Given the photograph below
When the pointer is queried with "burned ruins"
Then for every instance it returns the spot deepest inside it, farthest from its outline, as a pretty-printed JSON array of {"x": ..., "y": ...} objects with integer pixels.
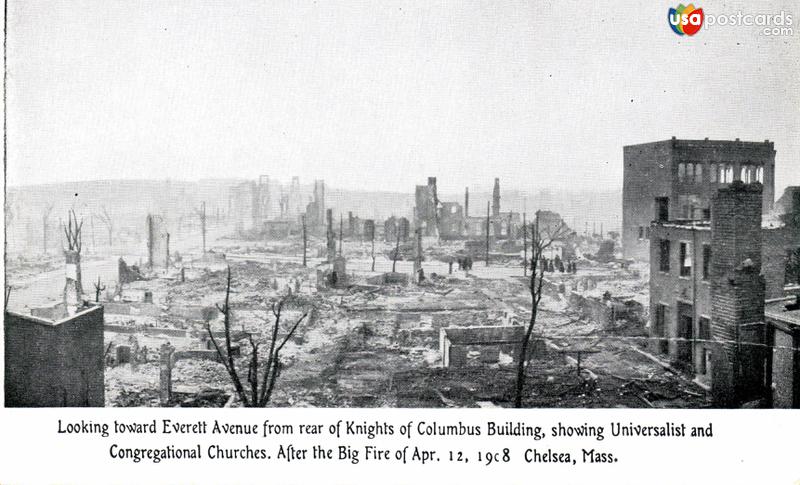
[{"x": 297, "y": 294}]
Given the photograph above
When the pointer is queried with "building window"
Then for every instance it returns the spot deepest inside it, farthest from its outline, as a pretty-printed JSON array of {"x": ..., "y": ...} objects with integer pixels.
[
  {"x": 641, "y": 232},
  {"x": 760, "y": 175},
  {"x": 647, "y": 233},
  {"x": 705, "y": 361},
  {"x": 686, "y": 259},
  {"x": 662, "y": 206},
  {"x": 725, "y": 173},
  {"x": 706, "y": 261},
  {"x": 661, "y": 327},
  {"x": 663, "y": 262},
  {"x": 712, "y": 173},
  {"x": 698, "y": 173},
  {"x": 704, "y": 328},
  {"x": 681, "y": 172},
  {"x": 748, "y": 174}
]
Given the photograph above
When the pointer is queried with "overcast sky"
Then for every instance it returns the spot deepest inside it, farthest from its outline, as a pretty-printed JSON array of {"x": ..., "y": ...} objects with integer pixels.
[{"x": 383, "y": 94}]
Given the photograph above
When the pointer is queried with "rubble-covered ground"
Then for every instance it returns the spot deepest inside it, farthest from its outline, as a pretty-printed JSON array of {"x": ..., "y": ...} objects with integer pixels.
[{"x": 377, "y": 345}]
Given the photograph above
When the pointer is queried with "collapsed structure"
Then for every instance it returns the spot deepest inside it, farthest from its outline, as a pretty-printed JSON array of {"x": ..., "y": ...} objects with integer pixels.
[{"x": 451, "y": 220}]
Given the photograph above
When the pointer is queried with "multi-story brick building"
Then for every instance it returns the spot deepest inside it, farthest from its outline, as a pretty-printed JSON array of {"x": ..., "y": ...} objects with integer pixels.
[
  {"x": 708, "y": 286},
  {"x": 686, "y": 174}
]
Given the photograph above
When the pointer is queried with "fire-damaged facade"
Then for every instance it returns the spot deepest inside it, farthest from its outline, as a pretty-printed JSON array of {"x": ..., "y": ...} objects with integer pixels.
[
  {"x": 451, "y": 220},
  {"x": 686, "y": 174},
  {"x": 709, "y": 281}
]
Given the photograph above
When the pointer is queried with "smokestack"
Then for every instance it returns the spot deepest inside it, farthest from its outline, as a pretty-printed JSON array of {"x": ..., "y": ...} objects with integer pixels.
[
  {"x": 496, "y": 198},
  {"x": 466, "y": 202}
]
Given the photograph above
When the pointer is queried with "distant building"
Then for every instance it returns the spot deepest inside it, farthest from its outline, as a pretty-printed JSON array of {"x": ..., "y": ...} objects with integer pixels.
[
  {"x": 426, "y": 208},
  {"x": 53, "y": 359},
  {"x": 686, "y": 173},
  {"x": 451, "y": 220},
  {"x": 245, "y": 207},
  {"x": 315, "y": 210}
]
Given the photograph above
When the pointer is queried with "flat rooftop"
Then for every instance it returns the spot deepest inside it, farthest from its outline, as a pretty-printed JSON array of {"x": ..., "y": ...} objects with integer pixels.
[
  {"x": 776, "y": 310},
  {"x": 705, "y": 143}
]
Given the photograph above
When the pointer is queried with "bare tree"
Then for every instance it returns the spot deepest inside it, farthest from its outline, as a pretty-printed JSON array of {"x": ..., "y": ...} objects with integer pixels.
[
  {"x": 98, "y": 288},
  {"x": 261, "y": 373},
  {"x": 541, "y": 239},
  {"x": 72, "y": 253},
  {"x": 46, "y": 225},
  {"x": 105, "y": 218}
]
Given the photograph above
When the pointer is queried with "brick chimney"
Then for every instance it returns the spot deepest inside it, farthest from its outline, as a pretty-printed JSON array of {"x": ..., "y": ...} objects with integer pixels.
[{"x": 737, "y": 293}]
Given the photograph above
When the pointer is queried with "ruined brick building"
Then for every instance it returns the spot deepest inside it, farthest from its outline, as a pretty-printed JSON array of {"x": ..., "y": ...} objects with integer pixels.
[
  {"x": 709, "y": 280},
  {"x": 451, "y": 220},
  {"x": 686, "y": 174},
  {"x": 426, "y": 208},
  {"x": 55, "y": 360}
]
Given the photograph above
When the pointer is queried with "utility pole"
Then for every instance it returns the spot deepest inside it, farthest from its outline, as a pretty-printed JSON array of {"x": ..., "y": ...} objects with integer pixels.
[
  {"x": 487, "y": 233},
  {"x": 340, "y": 235},
  {"x": 396, "y": 251},
  {"x": 524, "y": 245},
  {"x": 373, "y": 248},
  {"x": 305, "y": 238}
]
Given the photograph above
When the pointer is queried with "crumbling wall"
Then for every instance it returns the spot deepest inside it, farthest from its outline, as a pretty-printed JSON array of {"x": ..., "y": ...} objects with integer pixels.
[
  {"x": 157, "y": 242},
  {"x": 127, "y": 274}
]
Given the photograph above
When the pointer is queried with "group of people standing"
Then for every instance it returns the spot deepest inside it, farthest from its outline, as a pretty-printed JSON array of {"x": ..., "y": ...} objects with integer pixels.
[{"x": 557, "y": 264}]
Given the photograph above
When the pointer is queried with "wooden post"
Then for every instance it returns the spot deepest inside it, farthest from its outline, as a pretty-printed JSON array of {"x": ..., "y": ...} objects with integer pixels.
[
  {"x": 305, "y": 239},
  {"x": 203, "y": 225},
  {"x": 340, "y": 235},
  {"x": 487, "y": 233}
]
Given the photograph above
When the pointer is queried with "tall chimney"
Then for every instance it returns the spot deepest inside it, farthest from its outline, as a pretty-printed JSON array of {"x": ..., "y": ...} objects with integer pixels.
[
  {"x": 466, "y": 202},
  {"x": 737, "y": 294},
  {"x": 496, "y": 198}
]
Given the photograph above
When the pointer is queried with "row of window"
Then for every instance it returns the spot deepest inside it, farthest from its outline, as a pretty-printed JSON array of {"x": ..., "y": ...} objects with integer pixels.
[
  {"x": 703, "y": 334},
  {"x": 685, "y": 258},
  {"x": 722, "y": 173}
]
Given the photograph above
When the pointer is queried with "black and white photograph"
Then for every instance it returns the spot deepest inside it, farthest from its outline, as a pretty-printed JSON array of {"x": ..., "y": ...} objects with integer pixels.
[{"x": 402, "y": 205}]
